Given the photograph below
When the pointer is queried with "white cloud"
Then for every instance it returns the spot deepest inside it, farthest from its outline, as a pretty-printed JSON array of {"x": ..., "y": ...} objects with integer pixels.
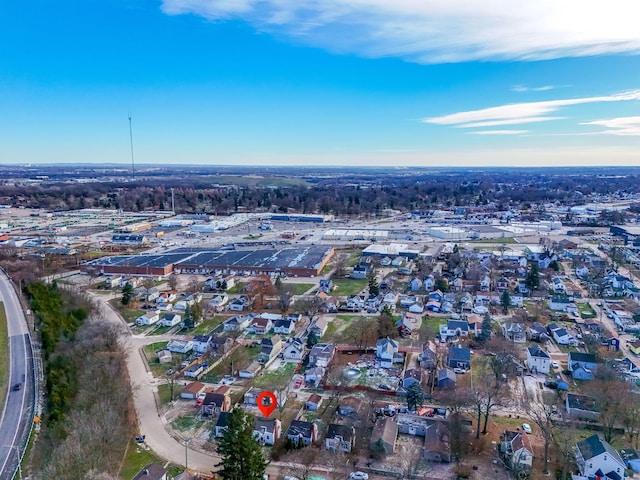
[
  {"x": 519, "y": 113},
  {"x": 524, "y": 88},
  {"x": 438, "y": 31},
  {"x": 624, "y": 126},
  {"x": 499, "y": 132}
]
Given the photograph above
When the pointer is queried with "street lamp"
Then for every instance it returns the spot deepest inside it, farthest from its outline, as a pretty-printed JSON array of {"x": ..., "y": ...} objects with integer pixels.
[{"x": 186, "y": 453}]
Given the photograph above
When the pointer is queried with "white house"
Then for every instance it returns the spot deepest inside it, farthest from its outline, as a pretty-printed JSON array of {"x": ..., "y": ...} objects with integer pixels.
[
  {"x": 201, "y": 343},
  {"x": 293, "y": 350},
  {"x": 321, "y": 354},
  {"x": 596, "y": 458},
  {"x": 180, "y": 346},
  {"x": 538, "y": 360},
  {"x": 266, "y": 431},
  {"x": 170, "y": 320},
  {"x": 148, "y": 319},
  {"x": 386, "y": 348}
]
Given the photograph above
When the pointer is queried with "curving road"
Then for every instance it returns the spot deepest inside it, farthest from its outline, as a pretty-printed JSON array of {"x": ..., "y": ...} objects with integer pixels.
[{"x": 17, "y": 412}]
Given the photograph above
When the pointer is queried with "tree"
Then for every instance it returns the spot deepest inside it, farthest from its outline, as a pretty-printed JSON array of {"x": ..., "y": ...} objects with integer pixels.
[
  {"x": 532, "y": 280},
  {"x": 542, "y": 416},
  {"x": 374, "y": 287},
  {"x": 442, "y": 285},
  {"x": 285, "y": 293},
  {"x": 188, "y": 318},
  {"x": 127, "y": 294},
  {"x": 312, "y": 339},
  {"x": 415, "y": 396},
  {"x": 487, "y": 329},
  {"x": 505, "y": 301},
  {"x": 196, "y": 312},
  {"x": 387, "y": 324},
  {"x": 241, "y": 455}
]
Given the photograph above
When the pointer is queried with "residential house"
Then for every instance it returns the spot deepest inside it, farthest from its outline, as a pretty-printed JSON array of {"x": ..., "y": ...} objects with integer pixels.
[
  {"x": 415, "y": 284},
  {"x": 260, "y": 326},
  {"x": 240, "y": 304},
  {"x": 219, "y": 344},
  {"x": 436, "y": 446},
  {"x": 237, "y": 323},
  {"x": 384, "y": 436},
  {"x": 582, "y": 271},
  {"x": 215, "y": 403},
  {"x": 180, "y": 346},
  {"x": 538, "y": 361},
  {"x": 409, "y": 323},
  {"x": 428, "y": 356},
  {"x": 514, "y": 331},
  {"x": 634, "y": 347},
  {"x": 556, "y": 382},
  {"x": 313, "y": 402},
  {"x": 411, "y": 376},
  {"x": 148, "y": 319},
  {"x": 454, "y": 329},
  {"x": 153, "y": 471},
  {"x": 318, "y": 327},
  {"x": 195, "y": 370},
  {"x": 283, "y": 326},
  {"x": 538, "y": 333},
  {"x": 164, "y": 356},
  {"x": 456, "y": 285},
  {"x": 559, "y": 304},
  {"x": 181, "y": 305},
  {"x": 222, "y": 424},
  {"x": 166, "y": 297},
  {"x": 502, "y": 284},
  {"x": 201, "y": 343},
  {"x": 515, "y": 453},
  {"x": 293, "y": 350},
  {"x": 562, "y": 337},
  {"x": 596, "y": 458},
  {"x": 321, "y": 355},
  {"x": 325, "y": 286},
  {"x": 349, "y": 406},
  {"x": 386, "y": 349},
  {"x": 192, "y": 390},
  {"x": 270, "y": 348},
  {"x": 360, "y": 272},
  {"x": 459, "y": 357},
  {"x": 302, "y": 433},
  {"x": 251, "y": 371},
  {"x": 340, "y": 438},
  {"x": 582, "y": 365},
  {"x": 446, "y": 378},
  {"x": 485, "y": 284},
  {"x": 218, "y": 302},
  {"x": 221, "y": 283},
  {"x": 267, "y": 431},
  {"x": 151, "y": 294},
  {"x": 581, "y": 407},
  {"x": 170, "y": 320},
  {"x": 293, "y": 317},
  {"x": 390, "y": 300},
  {"x": 429, "y": 283}
]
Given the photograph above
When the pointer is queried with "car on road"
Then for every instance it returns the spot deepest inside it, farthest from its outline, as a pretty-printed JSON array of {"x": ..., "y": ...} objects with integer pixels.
[
  {"x": 358, "y": 476},
  {"x": 298, "y": 383},
  {"x": 459, "y": 370},
  {"x": 17, "y": 387},
  {"x": 555, "y": 364},
  {"x": 526, "y": 428}
]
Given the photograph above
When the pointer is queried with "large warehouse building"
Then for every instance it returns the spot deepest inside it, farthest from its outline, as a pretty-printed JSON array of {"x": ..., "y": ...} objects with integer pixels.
[{"x": 296, "y": 261}]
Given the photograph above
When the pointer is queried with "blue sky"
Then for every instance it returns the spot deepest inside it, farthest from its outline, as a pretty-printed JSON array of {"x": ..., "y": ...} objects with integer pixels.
[{"x": 326, "y": 82}]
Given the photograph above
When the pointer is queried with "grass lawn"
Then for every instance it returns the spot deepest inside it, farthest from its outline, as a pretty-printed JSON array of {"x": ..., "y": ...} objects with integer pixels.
[
  {"x": 4, "y": 353},
  {"x": 160, "y": 330},
  {"x": 129, "y": 314},
  {"x": 301, "y": 288},
  {"x": 431, "y": 326},
  {"x": 586, "y": 310},
  {"x": 348, "y": 286},
  {"x": 205, "y": 327},
  {"x": 138, "y": 457},
  {"x": 187, "y": 422},
  {"x": 164, "y": 392},
  {"x": 275, "y": 377}
]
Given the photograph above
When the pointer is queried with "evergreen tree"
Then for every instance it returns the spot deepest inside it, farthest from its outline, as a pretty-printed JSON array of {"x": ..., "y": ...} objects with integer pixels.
[
  {"x": 188, "y": 318},
  {"x": 505, "y": 301},
  {"x": 486, "y": 327},
  {"x": 127, "y": 294},
  {"x": 442, "y": 285},
  {"x": 532, "y": 281},
  {"x": 241, "y": 455},
  {"x": 415, "y": 396},
  {"x": 312, "y": 339},
  {"x": 374, "y": 288}
]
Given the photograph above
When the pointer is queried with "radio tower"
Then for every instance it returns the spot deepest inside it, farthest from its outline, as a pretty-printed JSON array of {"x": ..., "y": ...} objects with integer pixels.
[{"x": 133, "y": 170}]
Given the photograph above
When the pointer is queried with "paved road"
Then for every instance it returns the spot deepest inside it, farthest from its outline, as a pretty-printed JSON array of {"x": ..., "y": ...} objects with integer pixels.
[{"x": 17, "y": 414}]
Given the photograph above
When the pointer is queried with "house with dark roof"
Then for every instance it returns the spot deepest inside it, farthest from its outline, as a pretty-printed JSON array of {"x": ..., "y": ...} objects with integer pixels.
[
  {"x": 538, "y": 361},
  {"x": 411, "y": 376},
  {"x": 270, "y": 347},
  {"x": 267, "y": 431},
  {"x": 384, "y": 436},
  {"x": 582, "y": 365},
  {"x": 153, "y": 471},
  {"x": 215, "y": 403},
  {"x": 201, "y": 343},
  {"x": 313, "y": 402},
  {"x": 459, "y": 357},
  {"x": 514, "y": 331},
  {"x": 428, "y": 356},
  {"x": 582, "y": 407},
  {"x": 538, "y": 333},
  {"x": 321, "y": 355},
  {"x": 302, "y": 433},
  {"x": 349, "y": 406},
  {"x": 596, "y": 458},
  {"x": 386, "y": 349},
  {"x": 222, "y": 424},
  {"x": 446, "y": 378},
  {"x": 340, "y": 438},
  {"x": 293, "y": 350},
  {"x": 283, "y": 326},
  {"x": 454, "y": 329}
]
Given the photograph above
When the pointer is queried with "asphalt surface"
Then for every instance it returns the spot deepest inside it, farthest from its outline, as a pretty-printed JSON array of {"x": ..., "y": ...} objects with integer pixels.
[{"x": 17, "y": 413}]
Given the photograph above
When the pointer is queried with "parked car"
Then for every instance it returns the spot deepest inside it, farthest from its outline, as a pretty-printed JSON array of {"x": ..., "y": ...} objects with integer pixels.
[
  {"x": 555, "y": 364},
  {"x": 526, "y": 428},
  {"x": 358, "y": 476},
  {"x": 17, "y": 387},
  {"x": 459, "y": 370}
]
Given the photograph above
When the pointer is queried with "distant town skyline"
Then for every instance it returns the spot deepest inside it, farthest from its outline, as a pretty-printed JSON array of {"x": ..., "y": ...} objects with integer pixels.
[{"x": 337, "y": 82}]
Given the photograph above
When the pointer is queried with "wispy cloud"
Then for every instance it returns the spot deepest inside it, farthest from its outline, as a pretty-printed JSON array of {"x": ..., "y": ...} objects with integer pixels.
[
  {"x": 439, "y": 31},
  {"x": 499, "y": 132},
  {"x": 524, "y": 88},
  {"x": 520, "y": 113},
  {"x": 625, "y": 126}
]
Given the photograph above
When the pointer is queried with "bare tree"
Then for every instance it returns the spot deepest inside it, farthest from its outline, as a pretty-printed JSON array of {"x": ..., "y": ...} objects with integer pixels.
[{"x": 542, "y": 415}]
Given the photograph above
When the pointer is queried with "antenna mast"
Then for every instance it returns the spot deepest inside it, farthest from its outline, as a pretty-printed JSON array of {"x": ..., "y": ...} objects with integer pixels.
[{"x": 133, "y": 171}]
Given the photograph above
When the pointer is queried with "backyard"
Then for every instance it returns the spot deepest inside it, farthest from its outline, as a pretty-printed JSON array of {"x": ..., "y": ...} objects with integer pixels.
[{"x": 348, "y": 286}]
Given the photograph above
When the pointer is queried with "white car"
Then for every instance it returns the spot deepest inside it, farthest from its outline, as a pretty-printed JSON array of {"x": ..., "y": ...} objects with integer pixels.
[
  {"x": 555, "y": 364},
  {"x": 526, "y": 428},
  {"x": 358, "y": 476},
  {"x": 459, "y": 370}
]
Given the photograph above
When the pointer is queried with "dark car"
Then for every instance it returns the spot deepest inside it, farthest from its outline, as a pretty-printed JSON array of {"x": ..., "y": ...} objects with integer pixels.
[{"x": 17, "y": 387}]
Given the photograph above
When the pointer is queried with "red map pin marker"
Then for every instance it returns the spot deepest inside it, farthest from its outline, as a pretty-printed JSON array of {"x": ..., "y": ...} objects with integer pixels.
[{"x": 267, "y": 403}]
